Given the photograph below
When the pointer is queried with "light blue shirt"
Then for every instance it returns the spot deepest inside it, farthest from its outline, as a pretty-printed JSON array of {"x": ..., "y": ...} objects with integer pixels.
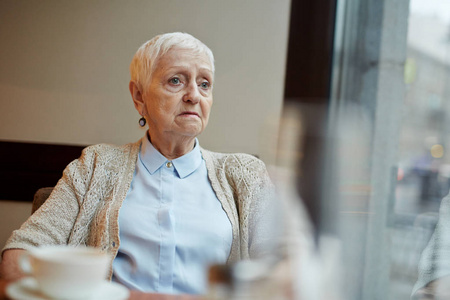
[{"x": 172, "y": 226}]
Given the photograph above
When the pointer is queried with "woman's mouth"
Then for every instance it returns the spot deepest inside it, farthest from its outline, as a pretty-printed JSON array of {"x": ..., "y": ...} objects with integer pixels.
[{"x": 189, "y": 113}]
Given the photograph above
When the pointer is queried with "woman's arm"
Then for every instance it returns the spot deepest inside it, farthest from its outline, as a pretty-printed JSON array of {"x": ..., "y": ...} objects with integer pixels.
[
  {"x": 9, "y": 267},
  {"x": 52, "y": 223},
  {"x": 437, "y": 289},
  {"x": 435, "y": 259}
]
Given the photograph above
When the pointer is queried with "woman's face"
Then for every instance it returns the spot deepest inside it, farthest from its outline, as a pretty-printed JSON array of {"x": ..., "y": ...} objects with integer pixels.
[{"x": 178, "y": 99}]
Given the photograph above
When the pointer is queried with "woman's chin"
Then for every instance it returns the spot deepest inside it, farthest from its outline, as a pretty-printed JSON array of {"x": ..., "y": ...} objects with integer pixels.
[{"x": 191, "y": 131}]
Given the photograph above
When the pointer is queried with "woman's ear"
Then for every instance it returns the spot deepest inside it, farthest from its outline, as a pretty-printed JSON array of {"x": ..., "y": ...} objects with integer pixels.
[{"x": 138, "y": 100}]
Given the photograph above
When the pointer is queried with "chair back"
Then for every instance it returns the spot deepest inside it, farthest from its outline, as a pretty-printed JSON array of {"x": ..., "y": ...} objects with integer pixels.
[{"x": 39, "y": 197}]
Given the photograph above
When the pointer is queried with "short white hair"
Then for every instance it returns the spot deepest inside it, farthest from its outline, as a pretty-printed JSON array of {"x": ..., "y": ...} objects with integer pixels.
[{"x": 144, "y": 61}]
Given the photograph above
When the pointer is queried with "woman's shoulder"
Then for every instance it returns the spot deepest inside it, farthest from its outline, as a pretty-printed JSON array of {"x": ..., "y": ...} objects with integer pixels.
[
  {"x": 110, "y": 151},
  {"x": 233, "y": 163},
  {"x": 240, "y": 171},
  {"x": 231, "y": 158},
  {"x": 105, "y": 156}
]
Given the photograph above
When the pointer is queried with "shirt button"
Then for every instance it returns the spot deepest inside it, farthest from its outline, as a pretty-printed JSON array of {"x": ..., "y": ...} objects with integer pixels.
[{"x": 169, "y": 164}]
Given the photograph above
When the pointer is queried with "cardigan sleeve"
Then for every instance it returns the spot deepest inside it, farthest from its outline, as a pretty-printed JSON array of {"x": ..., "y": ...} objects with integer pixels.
[
  {"x": 435, "y": 260},
  {"x": 253, "y": 192},
  {"x": 278, "y": 223},
  {"x": 264, "y": 217},
  {"x": 52, "y": 223}
]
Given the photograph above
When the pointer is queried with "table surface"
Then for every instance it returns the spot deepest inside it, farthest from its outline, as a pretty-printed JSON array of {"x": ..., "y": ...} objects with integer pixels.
[{"x": 134, "y": 295}]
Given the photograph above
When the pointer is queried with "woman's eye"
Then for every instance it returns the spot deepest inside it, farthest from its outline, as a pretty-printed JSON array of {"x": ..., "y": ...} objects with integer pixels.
[
  {"x": 204, "y": 85},
  {"x": 174, "y": 80}
]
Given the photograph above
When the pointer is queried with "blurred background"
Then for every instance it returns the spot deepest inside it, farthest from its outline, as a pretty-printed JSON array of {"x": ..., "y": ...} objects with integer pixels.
[
  {"x": 64, "y": 74},
  {"x": 350, "y": 96}
]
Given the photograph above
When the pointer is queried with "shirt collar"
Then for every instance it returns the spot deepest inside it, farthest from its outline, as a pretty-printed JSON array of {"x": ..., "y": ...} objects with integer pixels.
[{"x": 152, "y": 159}]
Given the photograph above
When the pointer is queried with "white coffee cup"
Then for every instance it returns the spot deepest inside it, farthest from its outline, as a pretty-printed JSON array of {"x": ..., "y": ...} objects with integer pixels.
[{"x": 65, "y": 272}]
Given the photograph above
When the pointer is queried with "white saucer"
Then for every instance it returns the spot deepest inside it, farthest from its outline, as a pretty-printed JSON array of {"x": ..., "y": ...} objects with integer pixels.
[{"x": 27, "y": 289}]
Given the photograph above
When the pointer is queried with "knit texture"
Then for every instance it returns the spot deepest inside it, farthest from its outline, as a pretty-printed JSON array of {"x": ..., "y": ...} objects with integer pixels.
[
  {"x": 83, "y": 208},
  {"x": 435, "y": 260}
]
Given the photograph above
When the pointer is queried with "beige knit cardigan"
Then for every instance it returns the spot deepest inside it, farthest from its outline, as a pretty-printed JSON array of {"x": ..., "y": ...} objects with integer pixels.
[{"x": 83, "y": 208}]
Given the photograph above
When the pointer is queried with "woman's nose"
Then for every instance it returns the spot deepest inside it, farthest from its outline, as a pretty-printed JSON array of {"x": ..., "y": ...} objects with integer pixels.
[{"x": 192, "y": 94}]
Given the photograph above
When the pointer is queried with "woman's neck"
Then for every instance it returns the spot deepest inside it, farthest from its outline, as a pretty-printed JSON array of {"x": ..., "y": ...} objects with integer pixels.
[{"x": 172, "y": 148}]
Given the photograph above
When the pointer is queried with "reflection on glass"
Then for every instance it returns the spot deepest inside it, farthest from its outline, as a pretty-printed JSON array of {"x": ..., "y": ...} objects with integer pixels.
[
  {"x": 390, "y": 116},
  {"x": 423, "y": 159}
]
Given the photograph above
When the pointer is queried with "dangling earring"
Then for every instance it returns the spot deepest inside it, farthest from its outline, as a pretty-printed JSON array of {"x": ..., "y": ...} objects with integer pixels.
[{"x": 142, "y": 122}]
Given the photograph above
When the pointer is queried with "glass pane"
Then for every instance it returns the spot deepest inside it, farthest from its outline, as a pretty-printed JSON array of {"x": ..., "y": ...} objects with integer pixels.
[
  {"x": 390, "y": 116},
  {"x": 424, "y": 169}
]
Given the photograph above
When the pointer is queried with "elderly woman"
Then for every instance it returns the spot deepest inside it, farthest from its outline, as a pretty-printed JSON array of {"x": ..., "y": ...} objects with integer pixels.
[{"x": 163, "y": 207}]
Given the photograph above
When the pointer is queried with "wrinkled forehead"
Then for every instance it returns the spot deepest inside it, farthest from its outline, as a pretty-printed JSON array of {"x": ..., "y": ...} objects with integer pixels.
[{"x": 178, "y": 55}]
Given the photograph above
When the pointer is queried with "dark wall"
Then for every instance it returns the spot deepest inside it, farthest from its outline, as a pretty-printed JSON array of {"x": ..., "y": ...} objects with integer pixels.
[
  {"x": 308, "y": 85},
  {"x": 26, "y": 167}
]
